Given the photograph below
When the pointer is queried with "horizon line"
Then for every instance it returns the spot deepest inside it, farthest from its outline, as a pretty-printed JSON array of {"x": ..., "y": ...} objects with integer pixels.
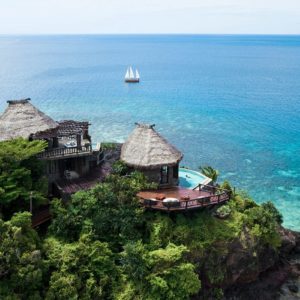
[{"x": 172, "y": 33}]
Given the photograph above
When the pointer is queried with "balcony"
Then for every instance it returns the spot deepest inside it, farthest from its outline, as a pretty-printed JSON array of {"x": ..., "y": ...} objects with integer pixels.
[{"x": 65, "y": 152}]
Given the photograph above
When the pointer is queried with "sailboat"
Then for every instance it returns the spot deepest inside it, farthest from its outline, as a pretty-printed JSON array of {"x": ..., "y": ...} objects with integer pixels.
[{"x": 130, "y": 77}]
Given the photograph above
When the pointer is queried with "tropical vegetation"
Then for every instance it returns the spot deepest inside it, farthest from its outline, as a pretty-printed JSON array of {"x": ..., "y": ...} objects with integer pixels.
[
  {"x": 104, "y": 245},
  {"x": 210, "y": 172}
]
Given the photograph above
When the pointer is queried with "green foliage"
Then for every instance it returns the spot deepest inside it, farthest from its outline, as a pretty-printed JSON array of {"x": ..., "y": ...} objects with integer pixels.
[
  {"x": 108, "y": 146},
  {"x": 242, "y": 201},
  {"x": 80, "y": 270},
  {"x": 227, "y": 186},
  {"x": 19, "y": 149},
  {"x": 223, "y": 212},
  {"x": 270, "y": 208},
  {"x": 158, "y": 274},
  {"x": 110, "y": 210},
  {"x": 217, "y": 294},
  {"x": 210, "y": 173},
  {"x": 263, "y": 224},
  {"x": 21, "y": 265},
  {"x": 21, "y": 174},
  {"x": 120, "y": 168},
  {"x": 104, "y": 245},
  {"x": 198, "y": 231}
]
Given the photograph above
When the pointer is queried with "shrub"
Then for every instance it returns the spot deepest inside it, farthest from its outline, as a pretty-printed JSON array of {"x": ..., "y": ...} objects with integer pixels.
[
  {"x": 108, "y": 146},
  {"x": 120, "y": 168},
  {"x": 223, "y": 212},
  {"x": 270, "y": 208},
  {"x": 159, "y": 274}
]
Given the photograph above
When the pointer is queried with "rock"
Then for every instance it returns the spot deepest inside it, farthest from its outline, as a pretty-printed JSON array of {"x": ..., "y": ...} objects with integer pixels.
[
  {"x": 288, "y": 241},
  {"x": 297, "y": 236},
  {"x": 293, "y": 288},
  {"x": 247, "y": 259},
  {"x": 253, "y": 270}
]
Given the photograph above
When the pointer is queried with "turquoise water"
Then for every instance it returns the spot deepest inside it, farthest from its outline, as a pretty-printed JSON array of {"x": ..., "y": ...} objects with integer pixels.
[
  {"x": 189, "y": 178},
  {"x": 232, "y": 102}
]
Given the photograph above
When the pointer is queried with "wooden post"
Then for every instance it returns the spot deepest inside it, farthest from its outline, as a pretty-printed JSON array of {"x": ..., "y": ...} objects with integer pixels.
[{"x": 78, "y": 141}]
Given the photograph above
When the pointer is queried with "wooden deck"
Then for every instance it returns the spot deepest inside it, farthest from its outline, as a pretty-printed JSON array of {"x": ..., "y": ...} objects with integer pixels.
[{"x": 188, "y": 199}]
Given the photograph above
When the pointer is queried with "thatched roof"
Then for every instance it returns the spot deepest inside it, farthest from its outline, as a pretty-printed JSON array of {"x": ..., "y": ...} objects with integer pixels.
[
  {"x": 68, "y": 127},
  {"x": 147, "y": 149},
  {"x": 22, "y": 119}
]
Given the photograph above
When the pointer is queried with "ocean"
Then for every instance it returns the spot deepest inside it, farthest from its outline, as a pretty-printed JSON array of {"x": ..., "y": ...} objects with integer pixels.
[{"x": 232, "y": 102}]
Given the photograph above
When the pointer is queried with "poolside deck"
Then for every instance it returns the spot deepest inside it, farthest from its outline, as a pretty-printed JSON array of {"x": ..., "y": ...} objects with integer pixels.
[{"x": 187, "y": 199}]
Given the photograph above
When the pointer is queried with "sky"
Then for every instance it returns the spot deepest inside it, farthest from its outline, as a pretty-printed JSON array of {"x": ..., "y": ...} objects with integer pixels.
[{"x": 149, "y": 16}]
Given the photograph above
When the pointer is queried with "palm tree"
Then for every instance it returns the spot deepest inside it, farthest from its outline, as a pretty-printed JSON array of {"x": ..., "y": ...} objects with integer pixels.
[{"x": 210, "y": 173}]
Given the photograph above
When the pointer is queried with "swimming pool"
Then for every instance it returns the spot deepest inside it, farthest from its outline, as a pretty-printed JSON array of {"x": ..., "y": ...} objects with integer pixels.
[{"x": 190, "y": 179}]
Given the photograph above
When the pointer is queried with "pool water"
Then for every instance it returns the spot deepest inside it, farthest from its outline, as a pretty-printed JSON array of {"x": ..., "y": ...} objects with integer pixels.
[{"x": 190, "y": 179}]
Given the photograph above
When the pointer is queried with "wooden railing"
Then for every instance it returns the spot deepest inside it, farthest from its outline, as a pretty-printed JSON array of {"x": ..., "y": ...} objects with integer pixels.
[
  {"x": 207, "y": 187},
  {"x": 188, "y": 204},
  {"x": 59, "y": 152}
]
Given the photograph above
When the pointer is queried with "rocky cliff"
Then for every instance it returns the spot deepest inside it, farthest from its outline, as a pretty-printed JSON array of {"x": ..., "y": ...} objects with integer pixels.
[{"x": 254, "y": 271}]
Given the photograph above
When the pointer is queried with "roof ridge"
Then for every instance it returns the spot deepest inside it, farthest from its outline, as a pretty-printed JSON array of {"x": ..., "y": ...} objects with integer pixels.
[{"x": 22, "y": 101}]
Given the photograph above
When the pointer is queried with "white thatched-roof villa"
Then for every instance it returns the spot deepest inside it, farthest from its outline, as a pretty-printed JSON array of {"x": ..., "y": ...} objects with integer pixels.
[
  {"x": 22, "y": 119},
  {"x": 147, "y": 151}
]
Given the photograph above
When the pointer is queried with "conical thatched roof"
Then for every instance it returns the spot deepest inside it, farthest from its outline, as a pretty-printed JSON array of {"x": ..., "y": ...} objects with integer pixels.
[
  {"x": 146, "y": 149},
  {"x": 22, "y": 119}
]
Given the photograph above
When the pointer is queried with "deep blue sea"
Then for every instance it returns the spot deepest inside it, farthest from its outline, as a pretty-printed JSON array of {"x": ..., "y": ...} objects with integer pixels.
[{"x": 232, "y": 102}]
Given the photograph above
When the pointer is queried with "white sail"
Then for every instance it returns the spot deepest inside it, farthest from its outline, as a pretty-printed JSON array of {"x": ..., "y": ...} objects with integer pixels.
[
  {"x": 127, "y": 74},
  {"x": 131, "y": 74},
  {"x": 137, "y": 75}
]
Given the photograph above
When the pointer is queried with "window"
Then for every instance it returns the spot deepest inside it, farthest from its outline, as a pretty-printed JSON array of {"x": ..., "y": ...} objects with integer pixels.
[{"x": 164, "y": 175}]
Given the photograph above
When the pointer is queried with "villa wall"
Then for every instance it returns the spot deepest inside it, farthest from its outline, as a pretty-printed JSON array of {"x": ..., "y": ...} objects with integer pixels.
[
  {"x": 54, "y": 169},
  {"x": 154, "y": 176}
]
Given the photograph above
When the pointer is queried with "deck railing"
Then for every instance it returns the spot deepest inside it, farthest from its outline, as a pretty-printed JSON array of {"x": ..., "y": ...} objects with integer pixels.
[
  {"x": 188, "y": 204},
  {"x": 59, "y": 152},
  {"x": 207, "y": 187}
]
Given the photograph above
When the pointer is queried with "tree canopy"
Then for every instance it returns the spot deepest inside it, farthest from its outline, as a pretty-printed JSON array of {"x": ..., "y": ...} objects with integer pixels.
[
  {"x": 21, "y": 265},
  {"x": 80, "y": 270},
  {"x": 163, "y": 273},
  {"x": 110, "y": 210},
  {"x": 21, "y": 175}
]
